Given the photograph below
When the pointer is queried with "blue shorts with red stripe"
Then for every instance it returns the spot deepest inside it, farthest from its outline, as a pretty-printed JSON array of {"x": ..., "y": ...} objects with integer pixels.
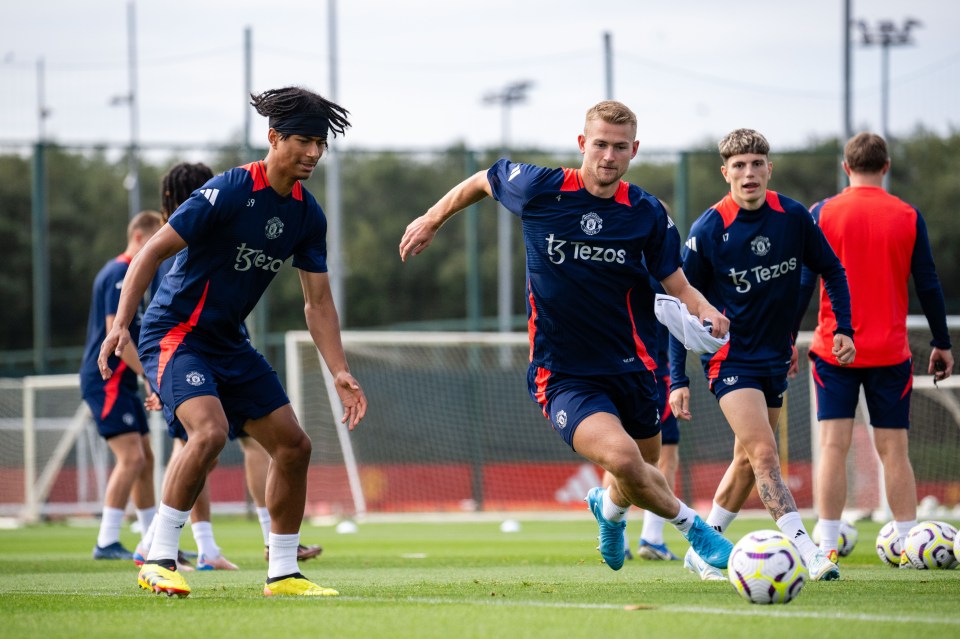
[
  {"x": 772, "y": 386},
  {"x": 247, "y": 386},
  {"x": 886, "y": 388},
  {"x": 669, "y": 430},
  {"x": 119, "y": 414},
  {"x": 566, "y": 400}
]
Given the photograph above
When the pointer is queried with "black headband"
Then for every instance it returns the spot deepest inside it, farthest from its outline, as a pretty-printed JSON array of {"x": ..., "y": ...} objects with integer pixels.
[{"x": 310, "y": 124}]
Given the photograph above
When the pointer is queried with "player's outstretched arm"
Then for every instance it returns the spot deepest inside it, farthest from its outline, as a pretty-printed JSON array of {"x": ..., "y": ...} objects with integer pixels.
[
  {"x": 324, "y": 326},
  {"x": 421, "y": 231}
]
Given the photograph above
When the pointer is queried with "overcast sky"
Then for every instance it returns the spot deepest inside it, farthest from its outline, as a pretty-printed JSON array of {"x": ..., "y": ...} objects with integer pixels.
[{"x": 413, "y": 73}]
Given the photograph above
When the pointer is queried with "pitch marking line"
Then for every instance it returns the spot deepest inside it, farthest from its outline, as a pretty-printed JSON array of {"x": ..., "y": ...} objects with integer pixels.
[{"x": 750, "y": 611}]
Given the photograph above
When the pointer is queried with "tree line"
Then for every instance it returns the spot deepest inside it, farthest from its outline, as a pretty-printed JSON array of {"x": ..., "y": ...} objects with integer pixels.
[{"x": 382, "y": 192}]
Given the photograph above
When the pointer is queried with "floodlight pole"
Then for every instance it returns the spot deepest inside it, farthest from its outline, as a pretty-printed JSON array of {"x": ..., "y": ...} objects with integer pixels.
[
  {"x": 132, "y": 181},
  {"x": 511, "y": 94},
  {"x": 886, "y": 34}
]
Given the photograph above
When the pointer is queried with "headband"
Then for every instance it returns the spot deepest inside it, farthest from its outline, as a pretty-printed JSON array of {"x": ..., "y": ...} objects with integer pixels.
[{"x": 312, "y": 125}]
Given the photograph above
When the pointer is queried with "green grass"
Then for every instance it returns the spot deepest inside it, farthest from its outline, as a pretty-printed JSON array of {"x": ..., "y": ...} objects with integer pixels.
[{"x": 452, "y": 580}]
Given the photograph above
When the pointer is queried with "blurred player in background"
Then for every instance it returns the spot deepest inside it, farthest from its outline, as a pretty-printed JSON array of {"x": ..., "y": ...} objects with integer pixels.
[
  {"x": 175, "y": 187},
  {"x": 881, "y": 241},
  {"x": 238, "y": 230},
  {"x": 745, "y": 254},
  {"x": 592, "y": 242},
  {"x": 117, "y": 408}
]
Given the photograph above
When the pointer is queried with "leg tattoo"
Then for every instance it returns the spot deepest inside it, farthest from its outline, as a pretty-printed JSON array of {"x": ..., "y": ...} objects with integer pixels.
[{"x": 775, "y": 495}]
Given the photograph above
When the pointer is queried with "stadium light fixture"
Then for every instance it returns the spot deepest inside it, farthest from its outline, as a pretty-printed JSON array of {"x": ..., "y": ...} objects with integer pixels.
[
  {"x": 511, "y": 94},
  {"x": 886, "y": 34}
]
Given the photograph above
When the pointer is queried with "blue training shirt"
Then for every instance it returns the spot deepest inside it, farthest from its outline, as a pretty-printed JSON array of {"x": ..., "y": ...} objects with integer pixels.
[
  {"x": 104, "y": 301},
  {"x": 239, "y": 232},
  {"x": 748, "y": 265},
  {"x": 589, "y": 298}
]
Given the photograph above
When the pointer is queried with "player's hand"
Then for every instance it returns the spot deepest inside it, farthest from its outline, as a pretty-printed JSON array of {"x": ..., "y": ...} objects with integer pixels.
[
  {"x": 794, "y": 369},
  {"x": 114, "y": 343},
  {"x": 353, "y": 399},
  {"x": 941, "y": 364},
  {"x": 843, "y": 349},
  {"x": 418, "y": 236},
  {"x": 152, "y": 402},
  {"x": 718, "y": 323},
  {"x": 680, "y": 403}
]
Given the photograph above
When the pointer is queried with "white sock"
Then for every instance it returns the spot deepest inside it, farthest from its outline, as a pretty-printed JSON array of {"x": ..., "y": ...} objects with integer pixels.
[
  {"x": 147, "y": 538},
  {"x": 263, "y": 514},
  {"x": 612, "y": 512},
  {"x": 720, "y": 518},
  {"x": 110, "y": 523},
  {"x": 169, "y": 524},
  {"x": 903, "y": 529},
  {"x": 652, "y": 528},
  {"x": 283, "y": 555},
  {"x": 145, "y": 518},
  {"x": 685, "y": 518},
  {"x": 829, "y": 534},
  {"x": 203, "y": 535},
  {"x": 792, "y": 526}
]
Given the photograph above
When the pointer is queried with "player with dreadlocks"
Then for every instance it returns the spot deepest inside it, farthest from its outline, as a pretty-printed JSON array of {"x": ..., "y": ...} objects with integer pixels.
[{"x": 238, "y": 230}]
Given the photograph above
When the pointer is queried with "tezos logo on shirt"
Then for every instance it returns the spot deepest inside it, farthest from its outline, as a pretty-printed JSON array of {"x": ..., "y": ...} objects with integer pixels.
[
  {"x": 195, "y": 379},
  {"x": 591, "y": 223},
  {"x": 274, "y": 228}
]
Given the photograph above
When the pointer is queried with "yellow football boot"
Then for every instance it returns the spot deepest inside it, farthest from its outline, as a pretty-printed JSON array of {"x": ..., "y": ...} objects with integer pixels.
[
  {"x": 158, "y": 579},
  {"x": 297, "y": 585}
]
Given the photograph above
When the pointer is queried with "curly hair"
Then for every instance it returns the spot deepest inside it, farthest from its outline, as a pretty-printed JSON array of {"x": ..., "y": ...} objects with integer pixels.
[
  {"x": 277, "y": 103},
  {"x": 743, "y": 141},
  {"x": 179, "y": 182}
]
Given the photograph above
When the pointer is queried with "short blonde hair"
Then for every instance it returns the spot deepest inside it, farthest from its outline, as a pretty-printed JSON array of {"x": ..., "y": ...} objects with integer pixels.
[
  {"x": 611, "y": 112},
  {"x": 145, "y": 222},
  {"x": 743, "y": 141}
]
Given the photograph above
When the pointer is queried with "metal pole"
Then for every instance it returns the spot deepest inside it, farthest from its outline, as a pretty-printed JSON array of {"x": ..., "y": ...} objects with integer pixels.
[
  {"x": 884, "y": 90},
  {"x": 260, "y": 326},
  {"x": 608, "y": 62},
  {"x": 847, "y": 92},
  {"x": 40, "y": 230},
  {"x": 472, "y": 241},
  {"x": 133, "y": 177},
  {"x": 335, "y": 260},
  {"x": 504, "y": 240},
  {"x": 41, "y": 262},
  {"x": 847, "y": 73}
]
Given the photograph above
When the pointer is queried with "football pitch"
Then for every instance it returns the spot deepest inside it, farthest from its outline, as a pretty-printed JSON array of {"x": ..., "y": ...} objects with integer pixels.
[{"x": 458, "y": 580}]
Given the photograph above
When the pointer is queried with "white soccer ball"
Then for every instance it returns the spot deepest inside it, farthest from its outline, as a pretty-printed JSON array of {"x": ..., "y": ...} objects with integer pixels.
[
  {"x": 888, "y": 545},
  {"x": 766, "y": 568},
  {"x": 929, "y": 545},
  {"x": 956, "y": 547},
  {"x": 845, "y": 542}
]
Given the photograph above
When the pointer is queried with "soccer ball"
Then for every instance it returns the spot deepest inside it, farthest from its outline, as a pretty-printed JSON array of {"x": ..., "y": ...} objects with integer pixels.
[
  {"x": 765, "y": 568},
  {"x": 930, "y": 545},
  {"x": 888, "y": 545},
  {"x": 846, "y": 541},
  {"x": 956, "y": 547}
]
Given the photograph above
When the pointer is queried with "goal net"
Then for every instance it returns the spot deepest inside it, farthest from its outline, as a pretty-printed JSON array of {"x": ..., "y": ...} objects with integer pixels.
[{"x": 451, "y": 428}]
